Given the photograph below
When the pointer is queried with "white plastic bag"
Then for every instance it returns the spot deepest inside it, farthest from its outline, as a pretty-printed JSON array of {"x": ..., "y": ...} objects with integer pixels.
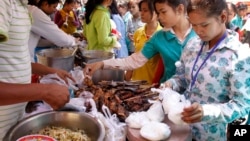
[
  {"x": 77, "y": 104},
  {"x": 115, "y": 130},
  {"x": 173, "y": 104},
  {"x": 155, "y": 131},
  {"x": 174, "y": 114},
  {"x": 137, "y": 119},
  {"x": 55, "y": 79},
  {"x": 155, "y": 112},
  {"x": 78, "y": 75}
]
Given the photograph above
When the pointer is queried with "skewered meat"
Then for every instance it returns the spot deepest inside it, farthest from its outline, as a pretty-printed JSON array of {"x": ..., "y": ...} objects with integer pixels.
[
  {"x": 120, "y": 97},
  {"x": 124, "y": 94}
]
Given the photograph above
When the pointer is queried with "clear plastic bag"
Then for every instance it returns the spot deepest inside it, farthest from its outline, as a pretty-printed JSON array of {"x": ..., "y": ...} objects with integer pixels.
[
  {"x": 55, "y": 79},
  {"x": 137, "y": 119},
  {"x": 115, "y": 130},
  {"x": 173, "y": 104},
  {"x": 77, "y": 74},
  {"x": 155, "y": 112}
]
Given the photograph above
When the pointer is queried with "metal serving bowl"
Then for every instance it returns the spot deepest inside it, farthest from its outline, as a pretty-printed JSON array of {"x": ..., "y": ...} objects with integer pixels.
[
  {"x": 108, "y": 75},
  {"x": 92, "y": 56},
  {"x": 71, "y": 120},
  {"x": 61, "y": 58}
]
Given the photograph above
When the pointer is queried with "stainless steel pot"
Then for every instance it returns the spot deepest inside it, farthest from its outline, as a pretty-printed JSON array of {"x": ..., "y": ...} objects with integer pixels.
[
  {"x": 71, "y": 120},
  {"x": 91, "y": 56},
  {"x": 61, "y": 58},
  {"x": 108, "y": 75}
]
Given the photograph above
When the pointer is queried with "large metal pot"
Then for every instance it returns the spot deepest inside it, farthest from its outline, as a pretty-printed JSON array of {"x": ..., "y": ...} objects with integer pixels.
[
  {"x": 71, "y": 120},
  {"x": 108, "y": 75},
  {"x": 61, "y": 58},
  {"x": 92, "y": 56}
]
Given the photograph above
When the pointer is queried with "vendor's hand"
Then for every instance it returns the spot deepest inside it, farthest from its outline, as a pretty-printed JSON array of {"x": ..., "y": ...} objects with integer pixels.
[
  {"x": 64, "y": 75},
  {"x": 93, "y": 67},
  {"x": 193, "y": 113},
  {"x": 55, "y": 95}
]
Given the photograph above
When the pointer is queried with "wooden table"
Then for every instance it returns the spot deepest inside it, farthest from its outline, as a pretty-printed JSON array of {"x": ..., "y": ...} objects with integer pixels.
[{"x": 178, "y": 133}]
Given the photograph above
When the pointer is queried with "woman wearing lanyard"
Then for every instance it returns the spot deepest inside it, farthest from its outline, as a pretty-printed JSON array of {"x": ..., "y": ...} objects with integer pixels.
[{"x": 216, "y": 73}]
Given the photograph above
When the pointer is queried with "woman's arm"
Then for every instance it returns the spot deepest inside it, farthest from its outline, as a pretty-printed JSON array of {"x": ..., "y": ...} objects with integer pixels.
[
  {"x": 53, "y": 94},
  {"x": 44, "y": 27},
  {"x": 131, "y": 62}
]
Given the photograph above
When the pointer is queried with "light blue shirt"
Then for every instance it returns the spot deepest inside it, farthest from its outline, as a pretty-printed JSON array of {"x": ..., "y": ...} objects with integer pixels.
[
  {"x": 222, "y": 86},
  {"x": 126, "y": 17},
  {"x": 170, "y": 48},
  {"x": 120, "y": 25}
]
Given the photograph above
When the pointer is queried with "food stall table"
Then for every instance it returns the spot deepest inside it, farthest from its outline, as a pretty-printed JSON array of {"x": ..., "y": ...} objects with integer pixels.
[{"x": 178, "y": 132}]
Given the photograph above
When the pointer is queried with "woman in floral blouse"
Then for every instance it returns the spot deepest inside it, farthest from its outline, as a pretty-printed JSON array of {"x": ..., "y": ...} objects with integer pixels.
[{"x": 217, "y": 73}]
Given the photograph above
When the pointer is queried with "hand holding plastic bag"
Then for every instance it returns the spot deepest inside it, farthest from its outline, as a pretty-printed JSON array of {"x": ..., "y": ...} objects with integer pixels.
[
  {"x": 55, "y": 79},
  {"x": 77, "y": 74},
  {"x": 173, "y": 104}
]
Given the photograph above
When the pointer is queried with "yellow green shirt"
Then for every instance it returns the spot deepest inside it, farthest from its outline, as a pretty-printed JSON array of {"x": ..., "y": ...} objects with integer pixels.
[
  {"x": 98, "y": 30},
  {"x": 147, "y": 71}
]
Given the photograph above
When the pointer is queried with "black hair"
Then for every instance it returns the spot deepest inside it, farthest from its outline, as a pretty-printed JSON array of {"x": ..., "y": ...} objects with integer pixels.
[
  {"x": 90, "y": 7},
  {"x": 233, "y": 6},
  {"x": 33, "y": 2},
  {"x": 173, "y": 3},
  {"x": 150, "y": 5},
  {"x": 39, "y": 3},
  {"x": 69, "y": 2},
  {"x": 241, "y": 6},
  {"x": 211, "y": 7},
  {"x": 113, "y": 7}
]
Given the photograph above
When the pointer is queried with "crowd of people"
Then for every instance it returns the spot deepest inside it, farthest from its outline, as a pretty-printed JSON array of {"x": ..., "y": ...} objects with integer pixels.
[
  {"x": 211, "y": 45},
  {"x": 16, "y": 67},
  {"x": 215, "y": 77}
]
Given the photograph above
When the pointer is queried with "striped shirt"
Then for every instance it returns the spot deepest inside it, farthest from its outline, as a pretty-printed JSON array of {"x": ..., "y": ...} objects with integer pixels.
[{"x": 15, "y": 64}]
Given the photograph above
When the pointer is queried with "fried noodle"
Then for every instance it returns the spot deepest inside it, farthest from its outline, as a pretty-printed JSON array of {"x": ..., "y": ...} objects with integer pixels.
[{"x": 64, "y": 134}]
